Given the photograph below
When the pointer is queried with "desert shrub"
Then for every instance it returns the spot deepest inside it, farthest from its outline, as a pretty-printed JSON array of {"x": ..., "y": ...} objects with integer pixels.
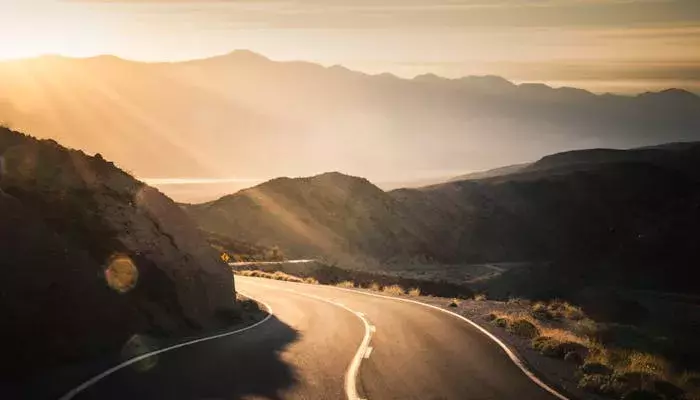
[
  {"x": 538, "y": 342},
  {"x": 573, "y": 357},
  {"x": 557, "y": 343},
  {"x": 311, "y": 281},
  {"x": 374, "y": 286},
  {"x": 561, "y": 309},
  {"x": 518, "y": 301},
  {"x": 646, "y": 363},
  {"x": 603, "y": 384},
  {"x": 566, "y": 336},
  {"x": 455, "y": 302},
  {"x": 415, "y": 292},
  {"x": 501, "y": 322},
  {"x": 594, "y": 383},
  {"x": 524, "y": 328},
  {"x": 479, "y": 297},
  {"x": 281, "y": 276},
  {"x": 395, "y": 290},
  {"x": 490, "y": 317},
  {"x": 572, "y": 312},
  {"x": 539, "y": 311},
  {"x": 346, "y": 284},
  {"x": 586, "y": 327},
  {"x": 641, "y": 394},
  {"x": 590, "y": 368},
  {"x": 551, "y": 347}
]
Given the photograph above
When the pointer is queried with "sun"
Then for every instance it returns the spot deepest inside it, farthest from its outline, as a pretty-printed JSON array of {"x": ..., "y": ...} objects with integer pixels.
[{"x": 52, "y": 28}]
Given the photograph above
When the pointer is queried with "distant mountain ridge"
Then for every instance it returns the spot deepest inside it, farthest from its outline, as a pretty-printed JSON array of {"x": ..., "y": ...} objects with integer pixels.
[
  {"x": 235, "y": 113},
  {"x": 633, "y": 210}
]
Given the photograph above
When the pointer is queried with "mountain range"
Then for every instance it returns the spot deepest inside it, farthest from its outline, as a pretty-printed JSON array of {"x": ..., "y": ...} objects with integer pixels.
[
  {"x": 628, "y": 217},
  {"x": 243, "y": 115}
]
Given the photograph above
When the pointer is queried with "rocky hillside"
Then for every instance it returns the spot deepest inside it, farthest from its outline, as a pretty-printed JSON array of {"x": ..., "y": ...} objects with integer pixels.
[
  {"x": 330, "y": 215},
  {"x": 629, "y": 217},
  {"x": 91, "y": 258}
]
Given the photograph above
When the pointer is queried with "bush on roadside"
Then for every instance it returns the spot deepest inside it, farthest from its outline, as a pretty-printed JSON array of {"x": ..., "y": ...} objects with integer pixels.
[
  {"x": 551, "y": 347},
  {"x": 524, "y": 328},
  {"x": 346, "y": 284},
  {"x": 394, "y": 290},
  {"x": 480, "y": 297},
  {"x": 501, "y": 322},
  {"x": 415, "y": 292},
  {"x": 594, "y": 383},
  {"x": 647, "y": 363},
  {"x": 374, "y": 286},
  {"x": 490, "y": 317},
  {"x": 539, "y": 311},
  {"x": 454, "y": 302}
]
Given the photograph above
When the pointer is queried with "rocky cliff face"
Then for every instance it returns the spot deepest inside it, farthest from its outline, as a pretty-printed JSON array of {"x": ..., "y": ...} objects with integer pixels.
[{"x": 91, "y": 258}]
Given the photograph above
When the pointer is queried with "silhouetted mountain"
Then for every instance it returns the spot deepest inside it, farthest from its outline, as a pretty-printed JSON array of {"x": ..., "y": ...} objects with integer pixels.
[
  {"x": 233, "y": 114},
  {"x": 94, "y": 262},
  {"x": 329, "y": 215},
  {"x": 491, "y": 173},
  {"x": 630, "y": 217}
]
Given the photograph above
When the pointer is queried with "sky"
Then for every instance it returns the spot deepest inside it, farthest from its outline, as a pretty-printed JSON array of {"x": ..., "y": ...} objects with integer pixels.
[{"x": 600, "y": 45}]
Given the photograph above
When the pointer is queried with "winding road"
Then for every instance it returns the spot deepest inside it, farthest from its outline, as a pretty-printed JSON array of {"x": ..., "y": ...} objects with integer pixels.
[{"x": 328, "y": 343}]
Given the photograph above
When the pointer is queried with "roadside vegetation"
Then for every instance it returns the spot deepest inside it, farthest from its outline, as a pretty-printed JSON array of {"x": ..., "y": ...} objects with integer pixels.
[
  {"x": 379, "y": 282},
  {"x": 613, "y": 365},
  {"x": 394, "y": 290},
  {"x": 277, "y": 275},
  {"x": 611, "y": 369}
]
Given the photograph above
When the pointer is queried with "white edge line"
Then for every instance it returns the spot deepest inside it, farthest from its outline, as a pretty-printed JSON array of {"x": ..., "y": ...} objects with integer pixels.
[
  {"x": 71, "y": 394},
  {"x": 369, "y": 352},
  {"x": 511, "y": 354},
  {"x": 354, "y": 367}
]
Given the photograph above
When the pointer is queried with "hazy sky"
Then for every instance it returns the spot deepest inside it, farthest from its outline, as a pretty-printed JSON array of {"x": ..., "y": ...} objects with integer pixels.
[{"x": 602, "y": 45}]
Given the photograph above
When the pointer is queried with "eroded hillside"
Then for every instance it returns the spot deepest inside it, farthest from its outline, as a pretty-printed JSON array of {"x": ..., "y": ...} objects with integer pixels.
[
  {"x": 622, "y": 217},
  {"x": 92, "y": 258}
]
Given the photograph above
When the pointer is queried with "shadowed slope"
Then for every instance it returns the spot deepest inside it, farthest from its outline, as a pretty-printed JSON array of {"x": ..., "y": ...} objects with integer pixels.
[{"x": 92, "y": 258}]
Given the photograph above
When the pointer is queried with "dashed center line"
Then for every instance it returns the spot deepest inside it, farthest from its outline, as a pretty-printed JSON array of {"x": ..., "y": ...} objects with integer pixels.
[{"x": 362, "y": 352}]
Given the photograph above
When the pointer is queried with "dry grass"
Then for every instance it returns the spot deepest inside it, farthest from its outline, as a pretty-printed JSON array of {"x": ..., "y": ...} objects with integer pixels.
[
  {"x": 479, "y": 297},
  {"x": 375, "y": 287},
  {"x": 395, "y": 290},
  {"x": 415, "y": 292},
  {"x": 645, "y": 363},
  {"x": 565, "y": 336},
  {"x": 557, "y": 309},
  {"x": 277, "y": 275},
  {"x": 346, "y": 284}
]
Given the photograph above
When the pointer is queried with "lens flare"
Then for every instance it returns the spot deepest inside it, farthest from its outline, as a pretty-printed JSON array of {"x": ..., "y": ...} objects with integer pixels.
[{"x": 121, "y": 274}]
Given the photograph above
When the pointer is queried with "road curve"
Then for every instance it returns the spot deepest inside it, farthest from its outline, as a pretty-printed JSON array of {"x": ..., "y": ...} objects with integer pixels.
[{"x": 308, "y": 349}]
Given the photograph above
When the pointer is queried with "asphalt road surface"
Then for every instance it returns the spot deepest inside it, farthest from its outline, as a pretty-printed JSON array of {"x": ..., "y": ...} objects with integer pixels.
[{"x": 325, "y": 343}]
